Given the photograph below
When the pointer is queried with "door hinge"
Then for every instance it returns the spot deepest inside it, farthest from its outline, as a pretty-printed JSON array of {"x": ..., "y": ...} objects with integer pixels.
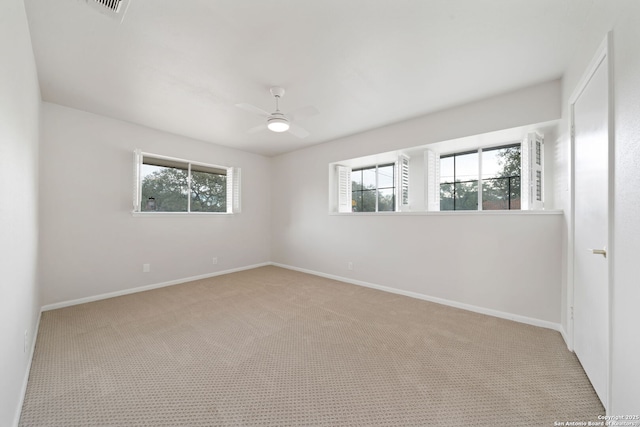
[{"x": 572, "y": 313}]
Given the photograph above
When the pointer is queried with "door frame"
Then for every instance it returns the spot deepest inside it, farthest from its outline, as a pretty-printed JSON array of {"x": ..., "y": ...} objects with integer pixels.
[{"x": 602, "y": 56}]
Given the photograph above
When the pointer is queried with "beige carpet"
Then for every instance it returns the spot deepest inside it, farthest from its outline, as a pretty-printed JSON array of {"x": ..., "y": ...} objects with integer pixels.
[{"x": 272, "y": 347}]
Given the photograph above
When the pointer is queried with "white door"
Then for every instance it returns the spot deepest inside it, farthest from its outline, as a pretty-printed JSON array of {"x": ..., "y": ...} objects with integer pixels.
[{"x": 591, "y": 222}]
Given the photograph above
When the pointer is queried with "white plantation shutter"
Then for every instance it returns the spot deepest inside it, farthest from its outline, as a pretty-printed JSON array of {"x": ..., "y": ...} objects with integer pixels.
[
  {"x": 432, "y": 164},
  {"x": 532, "y": 172},
  {"x": 344, "y": 188},
  {"x": 137, "y": 184},
  {"x": 403, "y": 182},
  {"x": 538, "y": 171},
  {"x": 233, "y": 190},
  {"x": 525, "y": 176}
]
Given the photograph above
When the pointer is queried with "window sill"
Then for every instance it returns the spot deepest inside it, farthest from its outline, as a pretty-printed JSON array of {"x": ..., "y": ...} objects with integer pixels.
[
  {"x": 452, "y": 213},
  {"x": 151, "y": 214}
]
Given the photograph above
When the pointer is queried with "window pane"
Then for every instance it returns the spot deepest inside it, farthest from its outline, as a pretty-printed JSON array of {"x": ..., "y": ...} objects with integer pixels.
[
  {"x": 466, "y": 167},
  {"x": 466, "y": 195},
  {"x": 446, "y": 169},
  {"x": 356, "y": 201},
  {"x": 495, "y": 193},
  {"x": 356, "y": 180},
  {"x": 515, "y": 193},
  {"x": 501, "y": 178},
  {"x": 385, "y": 176},
  {"x": 164, "y": 189},
  {"x": 490, "y": 166},
  {"x": 386, "y": 200},
  {"x": 446, "y": 197},
  {"x": 356, "y": 191},
  {"x": 501, "y": 162},
  {"x": 208, "y": 192},
  {"x": 501, "y": 193},
  {"x": 369, "y": 178},
  {"x": 365, "y": 183},
  {"x": 369, "y": 201}
]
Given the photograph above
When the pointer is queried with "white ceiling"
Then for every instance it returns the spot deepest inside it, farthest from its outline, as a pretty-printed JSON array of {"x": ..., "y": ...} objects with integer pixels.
[{"x": 181, "y": 66}]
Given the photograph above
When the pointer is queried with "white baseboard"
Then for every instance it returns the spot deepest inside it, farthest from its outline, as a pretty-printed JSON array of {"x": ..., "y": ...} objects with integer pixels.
[
  {"x": 456, "y": 304},
  {"x": 565, "y": 337},
  {"x": 147, "y": 287},
  {"x": 495, "y": 313},
  {"x": 25, "y": 381},
  {"x": 468, "y": 307},
  {"x": 490, "y": 312}
]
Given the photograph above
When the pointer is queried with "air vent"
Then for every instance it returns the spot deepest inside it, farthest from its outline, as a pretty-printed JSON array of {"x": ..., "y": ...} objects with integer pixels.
[
  {"x": 112, "y": 5},
  {"x": 114, "y": 9}
]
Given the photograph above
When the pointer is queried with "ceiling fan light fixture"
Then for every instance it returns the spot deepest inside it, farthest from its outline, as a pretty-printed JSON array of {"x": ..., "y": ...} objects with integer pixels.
[
  {"x": 278, "y": 124},
  {"x": 277, "y": 121}
]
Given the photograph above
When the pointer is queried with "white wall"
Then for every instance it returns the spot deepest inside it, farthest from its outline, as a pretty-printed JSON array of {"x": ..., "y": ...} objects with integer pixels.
[
  {"x": 19, "y": 139},
  {"x": 623, "y": 18},
  {"x": 505, "y": 262},
  {"x": 91, "y": 243},
  {"x": 626, "y": 291}
]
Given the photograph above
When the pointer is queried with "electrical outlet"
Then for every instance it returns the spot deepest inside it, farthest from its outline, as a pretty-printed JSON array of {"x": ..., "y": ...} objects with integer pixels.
[
  {"x": 215, "y": 260},
  {"x": 350, "y": 266},
  {"x": 146, "y": 268},
  {"x": 26, "y": 340}
]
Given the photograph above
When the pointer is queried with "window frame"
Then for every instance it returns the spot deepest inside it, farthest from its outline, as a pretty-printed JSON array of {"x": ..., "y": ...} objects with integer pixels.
[
  {"x": 232, "y": 185},
  {"x": 377, "y": 188},
  {"x": 482, "y": 180},
  {"x": 422, "y": 184},
  {"x": 454, "y": 182},
  {"x": 479, "y": 180}
]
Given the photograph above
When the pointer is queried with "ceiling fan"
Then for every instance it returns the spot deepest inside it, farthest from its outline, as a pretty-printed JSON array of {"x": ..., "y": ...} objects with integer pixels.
[{"x": 278, "y": 121}]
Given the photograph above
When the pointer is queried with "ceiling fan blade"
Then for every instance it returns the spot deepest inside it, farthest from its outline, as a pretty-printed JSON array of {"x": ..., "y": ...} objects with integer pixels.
[
  {"x": 303, "y": 113},
  {"x": 258, "y": 128},
  {"x": 298, "y": 131},
  {"x": 253, "y": 109}
]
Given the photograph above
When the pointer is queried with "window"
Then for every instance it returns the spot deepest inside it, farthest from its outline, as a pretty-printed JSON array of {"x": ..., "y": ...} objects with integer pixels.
[
  {"x": 378, "y": 183},
  {"x": 501, "y": 178},
  {"x": 373, "y": 189},
  {"x": 489, "y": 177},
  {"x": 472, "y": 174},
  {"x": 166, "y": 184},
  {"x": 459, "y": 182}
]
